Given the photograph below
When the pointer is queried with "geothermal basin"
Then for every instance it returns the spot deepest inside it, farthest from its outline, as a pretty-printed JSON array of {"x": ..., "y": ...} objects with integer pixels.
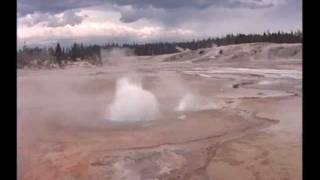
[{"x": 189, "y": 115}]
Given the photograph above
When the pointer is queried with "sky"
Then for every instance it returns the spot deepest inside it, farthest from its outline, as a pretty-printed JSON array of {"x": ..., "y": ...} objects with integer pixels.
[{"x": 46, "y": 22}]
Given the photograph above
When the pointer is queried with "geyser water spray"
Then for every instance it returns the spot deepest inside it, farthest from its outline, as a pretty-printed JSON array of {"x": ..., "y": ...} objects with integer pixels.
[{"x": 132, "y": 103}]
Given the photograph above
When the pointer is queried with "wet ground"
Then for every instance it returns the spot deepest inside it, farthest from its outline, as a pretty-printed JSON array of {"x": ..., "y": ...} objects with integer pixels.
[{"x": 246, "y": 124}]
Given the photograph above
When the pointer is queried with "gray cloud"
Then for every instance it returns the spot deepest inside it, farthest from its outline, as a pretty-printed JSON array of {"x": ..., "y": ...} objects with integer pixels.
[
  {"x": 68, "y": 18},
  {"x": 198, "y": 4},
  {"x": 133, "y": 10},
  {"x": 58, "y": 6},
  {"x": 160, "y": 10},
  {"x": 169, "y": 4},
  {"x": 25, "y": 7},
  {"x": 129, "y": 14}
]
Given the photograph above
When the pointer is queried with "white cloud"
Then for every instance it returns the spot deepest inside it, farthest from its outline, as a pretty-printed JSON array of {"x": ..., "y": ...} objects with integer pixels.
[
  {"x": 107, "y": 30},
  {"x": 53, "y": 20}
]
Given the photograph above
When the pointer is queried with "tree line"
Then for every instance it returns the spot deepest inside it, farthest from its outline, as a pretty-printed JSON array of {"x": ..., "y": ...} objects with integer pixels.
[
  {"x": 165, "y": 48},
  {"x": 58, "y": 55},
  {"x": 91, "y": 53}
]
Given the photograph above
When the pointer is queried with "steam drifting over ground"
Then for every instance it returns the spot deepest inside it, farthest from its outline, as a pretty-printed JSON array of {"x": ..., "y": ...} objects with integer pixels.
[{"x": 191, "y": 102}]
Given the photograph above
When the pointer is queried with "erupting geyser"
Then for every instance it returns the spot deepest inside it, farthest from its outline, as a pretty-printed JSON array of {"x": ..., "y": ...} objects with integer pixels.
[{"x": 132, "y": 103}]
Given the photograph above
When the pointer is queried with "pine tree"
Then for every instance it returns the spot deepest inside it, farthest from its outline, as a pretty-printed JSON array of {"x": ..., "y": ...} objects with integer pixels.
[
  {"x": 58, "y": 54},
  {"x": 75, "y": 51}
]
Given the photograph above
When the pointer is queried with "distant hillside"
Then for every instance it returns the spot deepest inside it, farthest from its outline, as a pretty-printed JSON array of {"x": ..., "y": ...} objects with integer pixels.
[
  {"x": 78, "y": 52},
  {"x": 241, "y": 52},
  {"x": 165, "y": 48}
]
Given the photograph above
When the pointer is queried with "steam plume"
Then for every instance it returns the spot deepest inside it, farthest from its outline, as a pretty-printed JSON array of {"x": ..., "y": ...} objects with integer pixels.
[{"x": 132, "y": 102}]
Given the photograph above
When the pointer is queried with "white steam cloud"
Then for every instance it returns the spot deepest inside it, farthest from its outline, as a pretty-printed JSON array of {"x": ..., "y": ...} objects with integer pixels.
[
  {"x": 190, "y": 102},
  {"x": 132, "y": 103}
]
